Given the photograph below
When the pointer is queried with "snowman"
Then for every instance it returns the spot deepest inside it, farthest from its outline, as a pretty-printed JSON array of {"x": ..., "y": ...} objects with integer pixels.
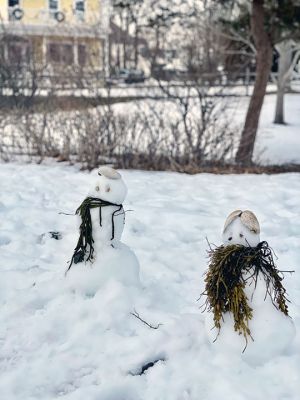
[
  {"x": 99, "y": 255},
  {"x": 246, "y": 300}
]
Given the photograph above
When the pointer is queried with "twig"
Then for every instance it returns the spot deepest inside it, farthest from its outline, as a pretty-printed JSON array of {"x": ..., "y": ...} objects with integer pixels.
[
  {"x": 209, "y": 245},
  {"x": 136, "y": 315}
]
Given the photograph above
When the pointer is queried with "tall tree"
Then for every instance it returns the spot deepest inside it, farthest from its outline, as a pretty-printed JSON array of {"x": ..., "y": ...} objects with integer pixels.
[
  {"x": 264, "y": 51},
  {"x": 271, "y": 22}
]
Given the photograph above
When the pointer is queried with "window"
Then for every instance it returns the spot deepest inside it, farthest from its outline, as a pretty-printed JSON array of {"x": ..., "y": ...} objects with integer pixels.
[
  {"x": 54, "y": 53},
  {"x": 67, "y": 54},
  {"x": 80, "y": 9},
  {"x": 79, "y": 5},
  {"x": 15, "y": 53},
  {"x": 18, "y": 53},
  {"x": 82, "y": 55},
  {"x": 59, "y": 53},
  {"x": 2, "y": 53},
  {"x": 13, "y": 3},
  {"x": 13, "y": 6},
  {"x": 53, "y": 7}
]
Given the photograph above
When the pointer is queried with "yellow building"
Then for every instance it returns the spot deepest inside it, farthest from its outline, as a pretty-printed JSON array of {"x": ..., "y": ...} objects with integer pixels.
[{"x": 65, "y": 34}]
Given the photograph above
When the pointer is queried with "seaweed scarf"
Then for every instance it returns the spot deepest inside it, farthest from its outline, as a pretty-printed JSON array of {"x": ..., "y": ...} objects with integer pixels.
[
  {"x": 84, "y": 249},
  {"x": 230, "y": 269}
]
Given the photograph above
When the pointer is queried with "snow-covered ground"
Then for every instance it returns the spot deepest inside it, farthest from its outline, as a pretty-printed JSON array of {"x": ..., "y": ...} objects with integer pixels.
[
  {"x": 58, "y": 344},
  {"x": 275, "y": 144}
]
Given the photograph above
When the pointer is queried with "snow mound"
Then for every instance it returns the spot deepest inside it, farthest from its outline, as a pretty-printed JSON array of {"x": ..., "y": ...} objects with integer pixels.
[{"x": 116, "y": 263}]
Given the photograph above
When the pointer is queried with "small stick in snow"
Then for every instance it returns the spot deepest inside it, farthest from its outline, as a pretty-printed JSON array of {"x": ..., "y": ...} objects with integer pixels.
[{"x": 136, "y": 315}]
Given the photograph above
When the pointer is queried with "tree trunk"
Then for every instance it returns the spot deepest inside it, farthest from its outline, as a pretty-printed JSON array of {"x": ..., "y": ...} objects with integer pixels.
[
  {"x": 136, "y": 46},
  {"x": 263, "y": 66},
  {"x": 285, "y": 50},
  {"x": 279, "y": 111},
  {"x": 110, "y": 40},
  {"x": 126, "y": 36},
  {"x": 156, "y": 49},
  {"x": 125, "y": 28}
]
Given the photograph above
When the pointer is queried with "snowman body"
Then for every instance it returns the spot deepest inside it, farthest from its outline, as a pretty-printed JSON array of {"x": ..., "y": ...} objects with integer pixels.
[
  {"x": 109, "y": 233},
  {"x": 112, "y": 259},
  {"x": 108, "y": 222},
  {"x": 271, "y": 330}
]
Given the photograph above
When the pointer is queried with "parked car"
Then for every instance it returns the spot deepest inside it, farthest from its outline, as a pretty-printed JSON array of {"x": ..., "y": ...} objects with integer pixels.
[
  {"x": 135, "y": 76},
  {"x": 122, "y": 74},
  {"x": 126, "y": 76},
  {"x": 169, "y": 73}
]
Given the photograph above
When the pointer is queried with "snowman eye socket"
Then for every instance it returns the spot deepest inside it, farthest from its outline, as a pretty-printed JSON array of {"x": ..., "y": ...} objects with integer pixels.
[
  {"x": 97, "y": 188},
  {"x": 230, "y": 238},
  {"x": 107, "y": 188},
  {"x": 241, "y": 235}
]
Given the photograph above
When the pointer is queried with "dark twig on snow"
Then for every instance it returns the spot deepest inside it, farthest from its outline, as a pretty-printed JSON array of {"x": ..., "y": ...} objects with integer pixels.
[
  {"x": 136, "y": 315},
  {"x": 146, "y": 366}
]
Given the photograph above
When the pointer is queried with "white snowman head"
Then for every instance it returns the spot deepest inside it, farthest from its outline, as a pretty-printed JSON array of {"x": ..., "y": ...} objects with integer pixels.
[
  {"x": 241, "y": 227},
  {"x": 109, "y": 186}
]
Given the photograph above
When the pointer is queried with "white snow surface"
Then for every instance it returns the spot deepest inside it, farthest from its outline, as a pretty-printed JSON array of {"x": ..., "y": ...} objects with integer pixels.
[
  {"x": 59, "y": 344},
  {"x": 275, "y": 144}
]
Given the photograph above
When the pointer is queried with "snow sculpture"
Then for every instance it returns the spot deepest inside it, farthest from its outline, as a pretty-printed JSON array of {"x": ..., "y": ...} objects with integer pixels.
[
  {"x": 246, "y": 300},
  {"x": 99, "y": 246}
]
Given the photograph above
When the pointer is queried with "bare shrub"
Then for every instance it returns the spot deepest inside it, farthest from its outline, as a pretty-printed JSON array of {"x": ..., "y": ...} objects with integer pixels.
[{"x": 184, "y": 131}]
